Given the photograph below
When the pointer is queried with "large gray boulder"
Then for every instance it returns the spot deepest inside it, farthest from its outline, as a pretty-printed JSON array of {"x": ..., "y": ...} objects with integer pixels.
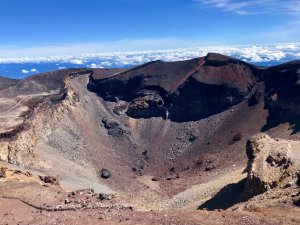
[{"x": 272, "y": 163}]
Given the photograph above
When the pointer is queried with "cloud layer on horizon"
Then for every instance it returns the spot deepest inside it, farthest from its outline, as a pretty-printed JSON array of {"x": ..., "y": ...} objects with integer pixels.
[{"x": 248, "y": 53}]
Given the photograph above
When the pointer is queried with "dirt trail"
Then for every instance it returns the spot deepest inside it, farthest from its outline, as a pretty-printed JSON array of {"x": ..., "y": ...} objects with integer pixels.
[{"x": 15, "y": 106}]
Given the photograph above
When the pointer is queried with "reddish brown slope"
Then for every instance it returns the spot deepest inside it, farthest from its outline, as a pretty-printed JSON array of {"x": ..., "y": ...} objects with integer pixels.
[
  {"x": 182, "y": 91},
  {"x": 7, "y": 82}
]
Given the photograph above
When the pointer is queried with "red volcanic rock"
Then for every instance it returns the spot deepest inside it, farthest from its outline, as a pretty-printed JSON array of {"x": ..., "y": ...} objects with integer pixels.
[{"x": 182, "y": 91}]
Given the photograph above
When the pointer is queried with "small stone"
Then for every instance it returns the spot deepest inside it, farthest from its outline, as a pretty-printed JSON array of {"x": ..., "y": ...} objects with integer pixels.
[
  {"x": 172, "y": 169},
  {"x": 210, "y": 167},
  {"x": 103, "y": 196},
  {"x": 58, "y": 207},
  {"x": 2, "y": 173},
  {"x": 155, "y": 179}
]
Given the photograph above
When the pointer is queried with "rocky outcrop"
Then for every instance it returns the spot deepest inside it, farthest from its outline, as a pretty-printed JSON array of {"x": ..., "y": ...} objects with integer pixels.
[
  {"x": 120, "y": 107},
  {"x": 150, "y": 105},
  {"x": 272, "y": 163},
  {"x": 49, "y": 180},
  {"x": 43, "y": 110},
  {"x": 114, "y": 128}
]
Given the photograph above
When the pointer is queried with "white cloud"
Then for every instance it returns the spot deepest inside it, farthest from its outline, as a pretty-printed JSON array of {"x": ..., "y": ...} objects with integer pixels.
[
  {"x": 106, "y": 64},
  {"x": 94, "y": 65},
  {"x": 254, "y": 6},
  {"x": 76, "y": 61},
  {"x": 25, "y": 71},
  {"x": 249, "y": 53},
  {"x": 61, "y": 67},
  {"x": 33, "y": 70}
]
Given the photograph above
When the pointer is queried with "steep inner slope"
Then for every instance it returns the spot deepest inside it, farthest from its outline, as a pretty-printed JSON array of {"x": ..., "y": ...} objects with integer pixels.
[{"x": 160, "y": 128}]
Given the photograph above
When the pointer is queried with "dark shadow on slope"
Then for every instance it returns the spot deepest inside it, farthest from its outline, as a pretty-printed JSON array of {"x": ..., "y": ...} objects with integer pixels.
[
  {"x": 276, "y": 118},
  {"x": 226, "y": 197}
]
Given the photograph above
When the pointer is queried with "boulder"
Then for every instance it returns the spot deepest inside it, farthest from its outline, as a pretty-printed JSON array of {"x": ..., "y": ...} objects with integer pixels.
[
  {"x": 271, "y": 163},
  {"x": 209, "y": 167},
  {"x": 120, "y": 107},
  {"x": 113, "y": 127},
  {"x": 49, "y": 180},
  {"x": 110, "y": 123},
  {"x": 105, "y": 173},
  {"x": 103, "y": 196}
]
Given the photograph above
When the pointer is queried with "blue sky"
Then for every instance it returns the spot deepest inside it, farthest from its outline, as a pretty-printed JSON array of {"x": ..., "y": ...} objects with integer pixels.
[{"x": 35, "y": 28}]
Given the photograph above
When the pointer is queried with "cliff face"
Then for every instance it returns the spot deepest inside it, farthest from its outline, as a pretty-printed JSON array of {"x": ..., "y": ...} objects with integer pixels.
[{"x": 30, "y": 107}]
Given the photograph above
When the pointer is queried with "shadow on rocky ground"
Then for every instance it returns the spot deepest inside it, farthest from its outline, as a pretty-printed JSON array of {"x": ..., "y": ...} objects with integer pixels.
[
  {"x": 226, "y": 197},
  {"x": 275, "y": 119}
]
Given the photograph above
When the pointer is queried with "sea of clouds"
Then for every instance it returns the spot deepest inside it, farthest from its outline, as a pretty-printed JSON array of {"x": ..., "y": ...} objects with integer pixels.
[{"x": 257, "y": 54}]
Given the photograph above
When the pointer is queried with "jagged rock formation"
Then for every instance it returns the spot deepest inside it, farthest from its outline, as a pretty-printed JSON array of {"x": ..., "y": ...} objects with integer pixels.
[{"x": 272, "y": 163}]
